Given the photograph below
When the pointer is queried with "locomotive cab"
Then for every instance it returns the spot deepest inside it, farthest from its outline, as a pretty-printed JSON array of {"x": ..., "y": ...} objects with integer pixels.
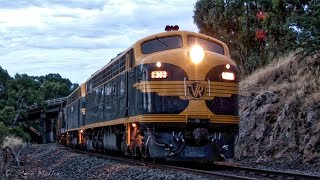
[{"x": 187, "y": 97}]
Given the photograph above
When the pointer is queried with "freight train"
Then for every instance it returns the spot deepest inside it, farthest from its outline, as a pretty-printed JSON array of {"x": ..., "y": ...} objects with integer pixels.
[{"x": 171, "y": 95}]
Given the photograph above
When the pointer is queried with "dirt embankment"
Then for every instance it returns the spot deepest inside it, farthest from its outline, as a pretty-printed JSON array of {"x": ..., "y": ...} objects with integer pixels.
[{"x": 280, "y": 113}]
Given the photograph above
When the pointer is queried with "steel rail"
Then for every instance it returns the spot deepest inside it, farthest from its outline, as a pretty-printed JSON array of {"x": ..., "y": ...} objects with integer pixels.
[
  {"x": 205, "y": 173},
  {"x": 267, "y": 172},
  {"x": 221, "y": 170}
]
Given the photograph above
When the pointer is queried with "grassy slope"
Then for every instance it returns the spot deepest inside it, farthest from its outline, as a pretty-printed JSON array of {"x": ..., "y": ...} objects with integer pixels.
[{"x": 280, "y": 112}]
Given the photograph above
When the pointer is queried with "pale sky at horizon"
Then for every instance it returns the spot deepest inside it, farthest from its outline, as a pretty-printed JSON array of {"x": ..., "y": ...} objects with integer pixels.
[{"x": 75, "y": 38}]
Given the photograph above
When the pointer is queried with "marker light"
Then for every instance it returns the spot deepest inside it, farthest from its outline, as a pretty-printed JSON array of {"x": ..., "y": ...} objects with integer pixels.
[
  {"x": 159, "y": 74},
  {"x": 158, "y": 64},
  {"x": 176, "y": 27},
  {"x": 197, "y": 54},
  {"x": 228, "y": 66},
  {"x": 171, "y": 28},
  {"x": 168, "y": 28},
  {"x": 228, "y": 76},
  {"x": 134, "y": 125},
  {"x": 81, "y": 131}
]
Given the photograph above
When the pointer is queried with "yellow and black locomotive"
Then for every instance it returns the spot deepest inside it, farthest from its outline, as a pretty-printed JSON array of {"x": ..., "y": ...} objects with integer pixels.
[{"x": 171, "y": 96}]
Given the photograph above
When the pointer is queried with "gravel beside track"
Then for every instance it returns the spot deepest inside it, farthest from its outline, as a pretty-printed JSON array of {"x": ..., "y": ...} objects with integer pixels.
[{"x": 52, "y": 161}]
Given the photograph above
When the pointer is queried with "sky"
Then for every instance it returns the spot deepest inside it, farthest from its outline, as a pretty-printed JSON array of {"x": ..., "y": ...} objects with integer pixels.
[{"x": 75, "y": 38}]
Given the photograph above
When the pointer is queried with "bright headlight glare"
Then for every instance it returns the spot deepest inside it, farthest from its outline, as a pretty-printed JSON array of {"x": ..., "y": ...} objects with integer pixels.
[
  {"x": 197, "y": 54},
  {"x": 228, "y": 76}
]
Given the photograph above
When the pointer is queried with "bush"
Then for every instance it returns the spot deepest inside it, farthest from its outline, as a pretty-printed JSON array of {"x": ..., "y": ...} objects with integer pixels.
[
  {"x": 13, "y": 131},
  {"x": 15, "y": 145},
  {"x": 7, "y": 115},
  {"x": 18, "y": 132},
  {"x": 12, "y": 142},
  {"x": 3, "y": 132}
]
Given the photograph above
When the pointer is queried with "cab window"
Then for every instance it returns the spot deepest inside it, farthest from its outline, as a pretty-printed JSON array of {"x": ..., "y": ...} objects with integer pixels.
[
  {"x": 161, "y": 44},
  {"x": 206, "y": 44}
]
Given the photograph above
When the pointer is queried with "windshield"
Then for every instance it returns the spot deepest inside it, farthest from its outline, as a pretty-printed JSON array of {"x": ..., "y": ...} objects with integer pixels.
[
  {"x": 161, "y": 44},
  {"x": 206, "y": 44}
]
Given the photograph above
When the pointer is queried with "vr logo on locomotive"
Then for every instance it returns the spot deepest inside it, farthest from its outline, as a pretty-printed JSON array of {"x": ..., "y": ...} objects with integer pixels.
[{"x": 196, "y": 90}]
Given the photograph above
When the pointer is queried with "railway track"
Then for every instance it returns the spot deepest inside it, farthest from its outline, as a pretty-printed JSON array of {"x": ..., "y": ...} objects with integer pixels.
[
  {"x": 258, "y": 173},
  {"x": 217, "y": 170}
]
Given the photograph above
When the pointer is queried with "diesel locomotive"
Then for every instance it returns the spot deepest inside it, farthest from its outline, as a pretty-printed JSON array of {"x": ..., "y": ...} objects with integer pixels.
[{"x": 171, "y": 95}]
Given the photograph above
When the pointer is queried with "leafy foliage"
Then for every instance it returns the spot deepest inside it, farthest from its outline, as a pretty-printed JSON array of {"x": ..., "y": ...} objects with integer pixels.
[
  {"x": 4, "y": 131},
  {"x": 7, "y": 114},
  {"x": 21, "y": 91},
  {"x": 289, "y": 25},
  {"x": 13, "y": 131},
  {"x": 4, "y": 77},
  {"x": 18, "y": 132},
  {"x": 309, "y": 27}
]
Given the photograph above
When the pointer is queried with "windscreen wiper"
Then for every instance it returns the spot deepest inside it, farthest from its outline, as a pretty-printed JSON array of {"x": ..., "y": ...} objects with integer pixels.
[{"x": 161, "y": 41}]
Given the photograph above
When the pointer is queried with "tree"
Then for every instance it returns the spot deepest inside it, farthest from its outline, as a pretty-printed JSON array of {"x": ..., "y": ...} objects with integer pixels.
[
  {"x": 287, "y": 23},
  {"x": 22, "y": 91},
  {"x": 3, "y": 132},
  {"x": 4, "y": 77},
  {"x": 26, "y": 90},
  {"x": 7, "y": 115},
  {"x": 54, "y": 86},
  {"x": 308, "y": 26},
  {"x": 220, "y": 19}
]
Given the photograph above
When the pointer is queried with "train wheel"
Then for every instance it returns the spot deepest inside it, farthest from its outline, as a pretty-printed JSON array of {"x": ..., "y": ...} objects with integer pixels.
[
  {"x": 145, "y": 157},
  {"x": 135, "y": 151}
]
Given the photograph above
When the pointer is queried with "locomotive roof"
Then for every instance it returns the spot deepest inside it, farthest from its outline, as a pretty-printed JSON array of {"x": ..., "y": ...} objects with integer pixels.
[
  {"x": 136, "y": 46},
  {"x": 181, "y": 33}
]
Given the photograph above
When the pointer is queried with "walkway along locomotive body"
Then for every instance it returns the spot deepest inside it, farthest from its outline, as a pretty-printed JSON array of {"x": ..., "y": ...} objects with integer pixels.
[{"x": 172, "y": 95}]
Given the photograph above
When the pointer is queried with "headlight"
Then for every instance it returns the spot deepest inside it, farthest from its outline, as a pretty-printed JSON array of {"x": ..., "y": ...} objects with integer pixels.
[
  {"x": 197, "y": 54},
  {"x": 228, "y": 76}
]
